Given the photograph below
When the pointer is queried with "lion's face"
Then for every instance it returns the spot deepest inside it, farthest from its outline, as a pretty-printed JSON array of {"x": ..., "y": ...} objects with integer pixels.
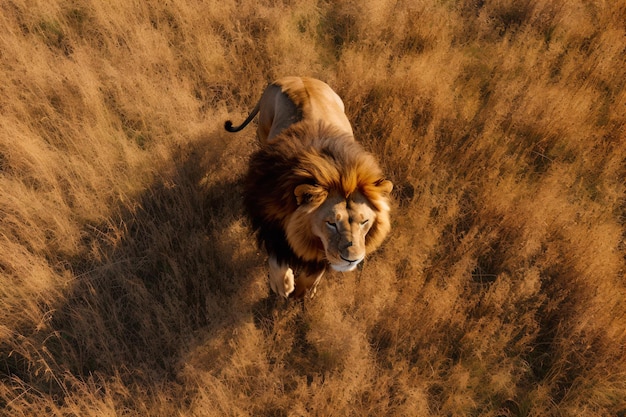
[
  {"x": 342, "y": 224},
  {"x": 340, "y": 230}
]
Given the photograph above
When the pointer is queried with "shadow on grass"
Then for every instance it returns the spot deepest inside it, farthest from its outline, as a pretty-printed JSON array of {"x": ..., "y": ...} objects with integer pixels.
[{"x": 174, "y": 261}]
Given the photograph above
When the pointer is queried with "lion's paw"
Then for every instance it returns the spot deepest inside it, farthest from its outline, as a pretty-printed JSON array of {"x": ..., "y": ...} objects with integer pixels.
[
  {"x": 289, "y": 283},
  {"x": 282, "y": 279}
]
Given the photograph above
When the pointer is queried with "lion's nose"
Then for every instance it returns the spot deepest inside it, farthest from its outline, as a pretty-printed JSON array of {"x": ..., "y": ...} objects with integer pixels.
[{"x": 347, "y": 245}]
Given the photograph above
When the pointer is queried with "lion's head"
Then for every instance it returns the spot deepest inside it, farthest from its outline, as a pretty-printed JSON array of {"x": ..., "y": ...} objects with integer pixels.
[
  {"x": 328, "y": 195},
  {"x": 341, "y": 223}
]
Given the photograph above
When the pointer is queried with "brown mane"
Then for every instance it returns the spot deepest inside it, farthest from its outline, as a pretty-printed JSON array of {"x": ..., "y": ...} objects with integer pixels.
[{"x": 316, "y": 154}]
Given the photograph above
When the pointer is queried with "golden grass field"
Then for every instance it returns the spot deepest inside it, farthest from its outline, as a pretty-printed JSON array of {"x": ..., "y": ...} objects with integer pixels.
[{"x": 130, "y": 282}]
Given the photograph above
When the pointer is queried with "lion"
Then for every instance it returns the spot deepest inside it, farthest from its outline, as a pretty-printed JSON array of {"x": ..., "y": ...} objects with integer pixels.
[{"x": 315, "y": 197}]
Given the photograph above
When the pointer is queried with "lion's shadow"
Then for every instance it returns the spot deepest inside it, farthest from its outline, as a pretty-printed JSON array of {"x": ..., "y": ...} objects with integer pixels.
[{"x": 173, "y": 262}]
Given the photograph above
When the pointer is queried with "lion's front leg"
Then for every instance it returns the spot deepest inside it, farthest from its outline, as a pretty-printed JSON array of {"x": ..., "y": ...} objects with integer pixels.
[
  {"x": 307, "y": 282},
  {"x": 281, "y": 278}
]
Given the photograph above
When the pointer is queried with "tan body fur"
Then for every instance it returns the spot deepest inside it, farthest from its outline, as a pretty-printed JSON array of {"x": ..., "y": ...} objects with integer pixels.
[
  {"x": 314, "y": 195},
  {"x": 292, "y": 99}
]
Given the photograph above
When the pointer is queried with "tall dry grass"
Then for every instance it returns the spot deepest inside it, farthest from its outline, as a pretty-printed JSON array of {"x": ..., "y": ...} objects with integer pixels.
[{"x": 130, "y": 283}]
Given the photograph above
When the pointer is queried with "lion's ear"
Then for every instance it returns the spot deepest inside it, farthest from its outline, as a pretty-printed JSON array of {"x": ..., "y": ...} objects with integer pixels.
[
  {"x": 306, "y": 194},
  {"x": 385, "y": 186}
]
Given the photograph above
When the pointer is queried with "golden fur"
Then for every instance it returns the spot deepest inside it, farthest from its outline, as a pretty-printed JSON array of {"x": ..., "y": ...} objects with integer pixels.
[
  {"x": 315, "y": 197},
  {"x": 293, "y": 99}
]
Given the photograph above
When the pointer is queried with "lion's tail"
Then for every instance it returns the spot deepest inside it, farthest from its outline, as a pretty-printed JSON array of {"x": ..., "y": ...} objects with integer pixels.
[{"x": 228, "y": 125}]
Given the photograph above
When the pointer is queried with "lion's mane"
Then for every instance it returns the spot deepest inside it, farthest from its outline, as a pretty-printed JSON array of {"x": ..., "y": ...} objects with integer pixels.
[{"x": 315, "y": 154}]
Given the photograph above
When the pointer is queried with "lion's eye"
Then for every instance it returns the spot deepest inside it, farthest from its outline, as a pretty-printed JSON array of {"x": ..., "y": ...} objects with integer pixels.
[
  {"x": 364, "y": 222},
  {"x": 332, "y": 225}
]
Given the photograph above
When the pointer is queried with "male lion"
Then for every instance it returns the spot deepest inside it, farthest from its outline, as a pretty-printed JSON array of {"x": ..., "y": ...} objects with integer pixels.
[{"x": 314, "y": 196}]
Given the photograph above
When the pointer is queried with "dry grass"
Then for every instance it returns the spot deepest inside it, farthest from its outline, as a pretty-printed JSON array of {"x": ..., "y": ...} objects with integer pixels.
[{"x": 129, "y": 280}]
